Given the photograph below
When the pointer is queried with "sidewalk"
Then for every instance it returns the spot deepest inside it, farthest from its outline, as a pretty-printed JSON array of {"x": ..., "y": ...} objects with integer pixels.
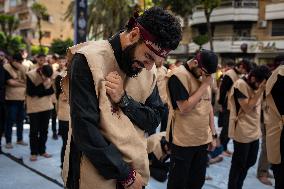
[{"x": 15, "y": 176}]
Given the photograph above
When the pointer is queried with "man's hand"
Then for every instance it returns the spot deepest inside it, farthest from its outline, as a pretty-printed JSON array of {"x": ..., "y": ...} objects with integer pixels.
[
  {"x": 47, "y": 83},
  {"x": 207, "y": 80},
  {"x": 138, "y": 183},
  {"x": 114, "y": 86},
  {"x": 212, "y": 145}
]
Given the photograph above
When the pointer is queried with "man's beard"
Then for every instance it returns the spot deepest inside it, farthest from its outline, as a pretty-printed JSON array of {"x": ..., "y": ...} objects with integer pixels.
[
  {"x": 195, "y": 73},
  {"x": 128, "y": 60}
]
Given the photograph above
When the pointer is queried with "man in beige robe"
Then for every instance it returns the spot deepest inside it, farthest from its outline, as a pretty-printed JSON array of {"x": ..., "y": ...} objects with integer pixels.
[{"x": 114, "y": 102}]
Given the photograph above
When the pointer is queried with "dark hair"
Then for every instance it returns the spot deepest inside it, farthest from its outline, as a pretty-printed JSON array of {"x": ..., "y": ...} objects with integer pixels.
[
  {"x": 18, "y": 57},
  {"x": 61, "y": 57},
  {"x": 246, "y": 64},
  {"x": 208, "y": 60},
  {"x": 259, "y": 73},
  {"x": 163, "y": 25},
  {"x": 279, "y": 60},
  {"x": 47, "y": 70},
  {"x": 41, "y": 55},
  {"x": 265, "y": 69},
  {"x": 55, "y": 56},
  {"x": 230, "y": 63}
]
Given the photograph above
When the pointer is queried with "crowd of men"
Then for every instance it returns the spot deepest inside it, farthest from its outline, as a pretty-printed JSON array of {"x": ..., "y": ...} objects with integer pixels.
[
  {"x": 116, "y": 92},
  {"x": 31, "y": 92}
]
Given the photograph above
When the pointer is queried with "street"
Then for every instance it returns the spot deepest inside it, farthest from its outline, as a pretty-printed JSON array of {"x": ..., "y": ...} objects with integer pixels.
[{"x": 45, "y": 173}]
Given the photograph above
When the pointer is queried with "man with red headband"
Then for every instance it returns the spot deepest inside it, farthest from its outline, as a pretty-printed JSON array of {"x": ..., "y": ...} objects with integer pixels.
[
  {"x": 114, "y": 102},
  {"x": 191, "y": 130}
]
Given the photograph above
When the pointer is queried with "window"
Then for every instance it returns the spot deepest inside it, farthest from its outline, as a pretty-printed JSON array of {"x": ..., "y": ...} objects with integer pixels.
[
  {"x": 47, "y": 34},
  {"x": 277, "y": 28},
  {"x": 242, "y": 30},
  {"x": 13, "y": 3},
  {"x": 23, "y": 16},
  {"x": 24, "y": 33}
]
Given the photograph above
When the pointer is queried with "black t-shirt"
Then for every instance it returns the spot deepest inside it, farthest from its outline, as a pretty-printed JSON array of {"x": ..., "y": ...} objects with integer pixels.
[
  {"x": 7, "y": 75},
  {"x": 177, "y": 91},
  {"x": 278, "y": 94},
  {"x": 238, "y": 95},
  {"x": 225, "y": 86}
]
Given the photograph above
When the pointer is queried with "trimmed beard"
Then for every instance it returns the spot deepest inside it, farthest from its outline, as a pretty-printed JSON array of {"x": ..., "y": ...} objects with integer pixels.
[{"x": 128, "y": 60}]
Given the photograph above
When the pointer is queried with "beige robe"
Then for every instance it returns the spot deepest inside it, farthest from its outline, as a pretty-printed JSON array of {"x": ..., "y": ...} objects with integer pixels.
[
  {"x": 190, "y": 129},
  {"x": 16, "y": 93},
  {"x": 63, "y": 108},
  {"x": 233, "y": 76},
  {"x": 154, "y": 144},
  {"x": 131, "y": 142},
  {"x": 244, "y": 127},
  {"x": 37, "y": 104},
  {"x": 273, "y": 121},
  {"x": 162, "y": 83}
]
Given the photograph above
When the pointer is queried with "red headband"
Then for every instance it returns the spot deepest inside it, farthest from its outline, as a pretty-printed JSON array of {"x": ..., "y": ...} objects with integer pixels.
[
  {"x": 149, "y": 39},
  {"x": 198, "y": 59}
]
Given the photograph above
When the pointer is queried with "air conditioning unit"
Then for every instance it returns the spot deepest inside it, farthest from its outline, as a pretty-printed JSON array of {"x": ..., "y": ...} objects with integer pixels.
[{"x": 262, "y": 23}]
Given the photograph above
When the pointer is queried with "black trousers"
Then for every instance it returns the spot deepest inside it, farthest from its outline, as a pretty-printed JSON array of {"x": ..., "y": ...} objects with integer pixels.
[
  {"x": 187, "y": 167},
  {"x": 278, "y": 169},
  {"x": 53, "y": 120},
  {"x": 2, "y": 119},
  {"x": 244, "y": 157},
  {"x": 224, "y": 123},
  {"x": 63, "y": 131},
  {"x": 38, "y": 131}
]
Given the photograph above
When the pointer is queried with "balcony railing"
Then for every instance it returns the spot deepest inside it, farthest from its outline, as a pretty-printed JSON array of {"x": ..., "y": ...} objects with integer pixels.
[
  {"x": 234, "y": 38},
  {"x": 235, "y": 4}
]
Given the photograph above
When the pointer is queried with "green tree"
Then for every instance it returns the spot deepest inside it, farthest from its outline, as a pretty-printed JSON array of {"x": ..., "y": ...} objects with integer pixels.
[
  {"x": 209, "y": 6},
  {"x": 59, "y": 46},
  {"x": 105, "y": 17},
  {"x": 41, "y": 13},
  {"x": 11, "y": 44},
  {"x": 8, "y": 24},
  {"x": 36, "y": 49},
  {"x": 201, "y": 40}
]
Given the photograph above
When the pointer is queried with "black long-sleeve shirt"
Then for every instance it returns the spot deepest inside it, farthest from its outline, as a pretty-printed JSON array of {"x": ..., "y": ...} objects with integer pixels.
[
  {"x": 2, "y": 83},
  {"x": 58, "y": 89},
  {"x": 225, "y": 86},
  {"x": 39, "y": 90},
  {"x": 84, "y": 107},
  {"x": 277, "y": 93}
]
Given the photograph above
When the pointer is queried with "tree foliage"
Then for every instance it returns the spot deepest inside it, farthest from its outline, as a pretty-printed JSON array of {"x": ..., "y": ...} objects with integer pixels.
[
  {"x": 105, "y": 17},
  {"x": 8, "y": 24},
  {"x": 36, "y": 49},
  {"x": 41, "y": 13},
  {"x": 209, "y": 6},
  {"x": 59, "y": 46},
  {"x": 11, "y": 44},
  {"x": 201, "y": 40}
]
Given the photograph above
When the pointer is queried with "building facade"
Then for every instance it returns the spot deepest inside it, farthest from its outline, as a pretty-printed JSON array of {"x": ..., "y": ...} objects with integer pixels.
[
  {"x": 53, "y": 27},
  {"x": 257, "y": 25}
]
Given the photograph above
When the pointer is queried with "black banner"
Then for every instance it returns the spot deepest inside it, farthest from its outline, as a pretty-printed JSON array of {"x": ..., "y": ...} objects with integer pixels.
[{"x": 81, "y": 21}]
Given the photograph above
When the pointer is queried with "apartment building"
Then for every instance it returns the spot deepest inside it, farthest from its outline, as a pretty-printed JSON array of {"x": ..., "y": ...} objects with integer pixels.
[
  {"x": 257, "y": 25},
  {"x": 53, "y": 27}
]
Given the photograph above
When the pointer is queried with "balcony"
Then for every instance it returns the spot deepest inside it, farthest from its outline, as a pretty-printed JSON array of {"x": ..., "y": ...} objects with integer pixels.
[
  {"x": 227, "y": 44},
  {"x": 274, "y": 11},
  {"x": 228, "y": 11},
  {"x": 22, "y": 6}
]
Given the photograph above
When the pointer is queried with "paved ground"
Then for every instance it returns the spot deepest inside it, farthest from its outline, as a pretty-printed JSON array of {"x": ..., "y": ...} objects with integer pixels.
[{"x": 16, "y": 176}]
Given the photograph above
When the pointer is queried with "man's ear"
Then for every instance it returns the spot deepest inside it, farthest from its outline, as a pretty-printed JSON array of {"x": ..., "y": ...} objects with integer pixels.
[
  {"x": 134, "y": 35},
  {"x": 194, "y": 62}
]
